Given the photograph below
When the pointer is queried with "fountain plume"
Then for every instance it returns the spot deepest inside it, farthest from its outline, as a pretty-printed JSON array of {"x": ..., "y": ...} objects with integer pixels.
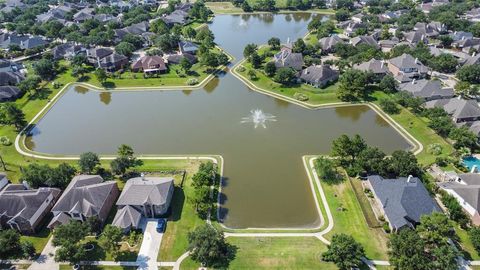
[{"x": 259, "y": 118}]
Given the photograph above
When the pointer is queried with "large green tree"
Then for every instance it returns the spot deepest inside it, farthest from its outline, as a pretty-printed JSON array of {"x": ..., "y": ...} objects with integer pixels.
[
  {"x": 344, "y": 251},
  {"x": 208, "y": 246},
  {"x": 88, "y": 162},
  {"x": 110, "y": 238},
  {"x": 353, "y": 85}
]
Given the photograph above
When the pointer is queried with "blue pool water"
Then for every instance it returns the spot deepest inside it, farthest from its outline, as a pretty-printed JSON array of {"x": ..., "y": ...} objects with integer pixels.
[{"x": 469, "y": 162}]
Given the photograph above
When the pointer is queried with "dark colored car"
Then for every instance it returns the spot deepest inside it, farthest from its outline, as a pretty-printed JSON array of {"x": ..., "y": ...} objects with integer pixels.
[{"x": 162, "y": 223}]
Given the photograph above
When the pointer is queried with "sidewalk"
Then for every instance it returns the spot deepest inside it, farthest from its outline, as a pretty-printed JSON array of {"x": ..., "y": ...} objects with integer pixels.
[{"x": 46, "y": 259}]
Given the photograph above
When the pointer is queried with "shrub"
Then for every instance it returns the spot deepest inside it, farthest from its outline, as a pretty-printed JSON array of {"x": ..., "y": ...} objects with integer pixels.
[
  {"x": 441, "y": 161},
  {"x": 241, "y": 69},
  {"x": 389, "y": 106},
  {"x": 5, "y": 141},
  {"x": 192, "y": 81},
  {"x": 300, "y": 96},
  {"x": 435, "y": 149},
  {"x": 386, "y": 227}
]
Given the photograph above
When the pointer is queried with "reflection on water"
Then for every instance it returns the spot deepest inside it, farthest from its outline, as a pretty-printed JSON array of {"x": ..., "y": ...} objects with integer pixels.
[
  {"x": 105, "y": 97},
  {"x": 81, "y": 89},
  {"x": 211, "y": 85},
  {"x": 351, "y": 112},
  {"x": 379, "y": 120},
  {"x": 187, "y": 92}
]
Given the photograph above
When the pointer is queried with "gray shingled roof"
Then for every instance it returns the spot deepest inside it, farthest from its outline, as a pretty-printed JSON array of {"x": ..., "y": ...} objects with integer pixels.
[
  {"x": 368, "y": 40},
  {"x": 403, "y": 201},
  {"x": 285, "y": 58},
  {"x": 327, "y": 43},
  {"x": 9, "y": 93},
  {"x": 317, "y": 74},
  {"x": 151, "y": 190},
  {"x": 427, "y": 89},
  {"x": 470, "y": 191},
  {"x": 127, "y": 217},
  {"x": 374, "y": 65},
  {"x": 458, "y": 108},
  {"x": 10, "y": 78},
  {"x": 85, "y": 194},
  {"x": 407, "y": 61}
]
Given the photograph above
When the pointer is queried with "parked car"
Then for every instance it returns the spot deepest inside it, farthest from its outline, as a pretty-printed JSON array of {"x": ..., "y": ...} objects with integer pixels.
[{"x": 161, "y": 225}]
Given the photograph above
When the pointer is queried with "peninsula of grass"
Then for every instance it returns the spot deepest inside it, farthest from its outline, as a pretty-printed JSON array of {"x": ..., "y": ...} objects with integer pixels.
[{"x": 316, "y": 96}]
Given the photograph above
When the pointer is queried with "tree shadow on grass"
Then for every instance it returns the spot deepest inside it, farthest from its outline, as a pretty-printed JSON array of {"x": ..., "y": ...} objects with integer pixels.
[
  {"x": 108, "y": 84},
  {"x": 84, "y": 78},
  {"x": 176, "y": 207},
  {"x": 42, "y": 93}
]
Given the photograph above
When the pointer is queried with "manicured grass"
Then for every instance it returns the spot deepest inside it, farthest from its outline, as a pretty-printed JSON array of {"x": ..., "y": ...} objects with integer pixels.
[
  {"x": 418, "y": 128},
  {"x": 182, "y": 220},
  {"x": 348, "y": 218},
  {"x": 229, "y": 8},
  {"x": 469, "y": 251},
  {"x": 364, "y": 204},
  {"x": 223, "y": 7},
  {"x": 275, "y": 253},
  {"x": 38, "y": 240},
  {"x": 315, "y": 95},
  {"x": 99, "y": 254}
]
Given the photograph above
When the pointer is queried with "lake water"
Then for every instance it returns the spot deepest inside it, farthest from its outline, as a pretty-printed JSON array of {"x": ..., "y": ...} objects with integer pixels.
[{"x": 265, "y": 183}]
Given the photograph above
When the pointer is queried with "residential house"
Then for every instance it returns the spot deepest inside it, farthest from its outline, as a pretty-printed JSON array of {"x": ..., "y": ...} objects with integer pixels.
[
  {"x": 472, "y": 60},
  {"x": 473, "y": 15},
  {"x": 52, "y": 14},
  {"x": 33, "y": 42},
  {"x": 405, "y": 68},
  {"x": 461, "y": 110},
  {"x": 106, "y": 59},
  {"x": 23, "y": 209},
  {"x": 357, "y": 17},
  {"x": 67, "y": 51},
  {"x": 367, "y": 40},
  {"x": 176, "y": 17},
  {"x": 328, "y": 43},
  {"x": 427, "y": 90},
  {"x": 86, "y": 196},
  {"x": 466, "y": 189},
  {"x": 134, "y": 29},
  {"x": 352, "y": 27},
  {"x": 9, "y": 93},
  {"x": 468, "y": 45},
  {"x": 427, "y": 7},
  {"x": 7, "y": 65},
  {"x": 388, "y": 44},
  {"x": 149, "y": 64},
  {"x": 377, "y": 67},
  {"x": 176, "y": 58},
  {"x": 83, "y": 15},
  {"x": 187, "y": 47},
  {"x": 415, "y": 37},
  {"x": 318, "y": 76},
  {"x": 143, "y": 197},
  {"x": 401, "y": 201},
  {"x": 10, "y": 78},
  {"x": 431, "y": 29},
  {"x": 286, "y": 58}
]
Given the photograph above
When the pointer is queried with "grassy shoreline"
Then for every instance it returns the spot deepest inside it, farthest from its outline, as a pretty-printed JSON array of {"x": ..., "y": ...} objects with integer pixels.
[{"x": 227, "y": 8}]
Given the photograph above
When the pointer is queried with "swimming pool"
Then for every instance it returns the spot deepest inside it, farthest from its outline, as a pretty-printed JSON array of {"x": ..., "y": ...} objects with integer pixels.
[{"x": 471, "y": 161}]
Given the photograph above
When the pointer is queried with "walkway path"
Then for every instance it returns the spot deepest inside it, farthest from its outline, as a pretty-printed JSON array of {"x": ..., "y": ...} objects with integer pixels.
[{"x": 46, "y": 259}]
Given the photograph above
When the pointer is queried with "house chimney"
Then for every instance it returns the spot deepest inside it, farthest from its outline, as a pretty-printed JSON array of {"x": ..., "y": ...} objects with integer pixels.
[
  {"x": 25, "y": 185},
  {"x": 463, "y": 37},
  {"x": 413, "y": 81},
  {"x": 409, "y": 179},
  {"x": 382, "y": 63},
  {"x": 416, "y": 60},
  {"x": 473, "y": 54}
]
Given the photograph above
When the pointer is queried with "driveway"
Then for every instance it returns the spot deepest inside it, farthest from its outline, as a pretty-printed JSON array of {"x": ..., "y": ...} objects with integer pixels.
[
  {"x": 147, "y": 256},
  {"x": 46, "y": 259}
]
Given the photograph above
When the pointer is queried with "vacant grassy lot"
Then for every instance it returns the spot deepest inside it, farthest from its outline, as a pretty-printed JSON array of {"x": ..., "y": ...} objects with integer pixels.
[
  {"x": 182, "y": 220},
  {"x": 349, "y": 219},
  {"x": 229, "y": 8}
]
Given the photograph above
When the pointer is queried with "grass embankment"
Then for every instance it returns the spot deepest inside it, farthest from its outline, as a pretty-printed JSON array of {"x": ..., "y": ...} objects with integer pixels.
[
  {"x": 349, "y": 219},
  {"x": 182, "y": 220},
  {"x": 229, "y": 8},
  {"x": 418, "y": 128},
  {"x": 468, "y": 250},
  {"x": 275, "y": 253}
]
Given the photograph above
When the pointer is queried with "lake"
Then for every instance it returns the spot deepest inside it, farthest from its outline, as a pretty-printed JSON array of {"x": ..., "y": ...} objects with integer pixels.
[{"x": 265, "y": 183}]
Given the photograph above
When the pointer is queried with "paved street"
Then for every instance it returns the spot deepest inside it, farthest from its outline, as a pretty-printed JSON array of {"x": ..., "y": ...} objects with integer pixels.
[{"x": 147, "y": 256}]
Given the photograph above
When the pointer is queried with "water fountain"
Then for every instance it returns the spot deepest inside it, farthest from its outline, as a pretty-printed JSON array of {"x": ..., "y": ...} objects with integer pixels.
[{"x": 258, "y": 118}]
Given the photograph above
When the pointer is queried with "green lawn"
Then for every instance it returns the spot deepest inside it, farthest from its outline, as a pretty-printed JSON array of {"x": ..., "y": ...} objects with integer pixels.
[
  {"x": 69, "y": 267},
  {"x": 418, "y": 128},
  {"x": 469, "y": 251},
  {"x": 38, "y": 240},
  {"x": 349, "y": 219},
  {"x": 275, "y": 253},
  {"x": 182, "y": 220}
]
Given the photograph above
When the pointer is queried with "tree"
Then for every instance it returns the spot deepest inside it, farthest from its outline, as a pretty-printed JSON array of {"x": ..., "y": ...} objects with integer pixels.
[
  {"x": 469, "y": 74},
  {"x": 342, "y": 15},
  {"x": 445, "y": 63},
  {"x": 255, "y": 59},
  {"x": 125, "y": 48},
  {"x": 370, "y": 160},
  {"x": 270, "y": 69},
  {"x": 463, "y": 137},
  {"x": 274, "y": 43},
  {"x": 325, "y": 169},
  {"x": 12, "y": 115},
  {"x": 388, "y": 84},
  {"x": 210, "y": 60},
  {"x": 299, "y": 46},
  {"x": 407, "y": 251},
  {"x": 72, "y": 252},
  {"x": 455, "y": 210},
  {"x": 37, "y": 175},
  {"x": 110, "y": 238},
  {"x": 249, "y": 50},
  {"x": 185, "y": 65},
  {"x": 353, "y": 85},
  {"x": 101, "y": 75},
  {"x": 445, "y": 40},
  {"x": 348, "y": 149},
  {"x": 78, "y": 71},
  {"x": 344, "y": 251},
  {"x": 246, "y": 7},
  {"x": 402, "y": 163},
  {"x": 124, "y": 161},
  {"x": 61, "y": 175},
  {"x": 189, "y": 32},
  {"x": 31, "y": 83},
  {"x": 79, "y": 60},
  {"x": 87, "y": 162},
  {"x": 474, "y": 234},
  {"x": 27, "y": 248},
  {"x": 9, "y": 242},
  {"x": 222, "y": 59},
  {"x": 45, "y": 69},
  {"x": 285, "y": 76},
  {"x": 389, "y": 106},
  {"x": 441, "y": 125},
  {"x": 208, "y": 247},
  {"x": 462, "y": 88},
  {"x": 72, "y": 232},
  {"x": 435, "y": 229}
]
